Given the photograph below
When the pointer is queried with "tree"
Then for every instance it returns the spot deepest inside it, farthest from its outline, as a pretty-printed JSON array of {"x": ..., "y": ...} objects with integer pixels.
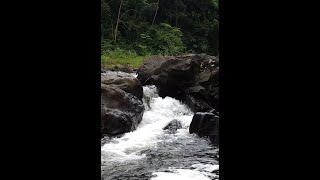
[{"x": 129, "y": 25}]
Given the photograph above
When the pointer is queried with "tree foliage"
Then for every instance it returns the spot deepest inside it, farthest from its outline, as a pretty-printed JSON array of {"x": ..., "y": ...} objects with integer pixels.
[{"x": 160, "y": 26}]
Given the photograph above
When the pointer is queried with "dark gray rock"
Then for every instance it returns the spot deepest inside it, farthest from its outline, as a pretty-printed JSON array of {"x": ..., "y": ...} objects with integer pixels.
[
  {"x": 125, "y": 82},
  {"x": 123, "y": 68},
  {"x": 121, "y": 111},
  {"x": 149, "y": 67},
  {"x": 206, "y": 124},
  {"x": 173, "y": 125},
  {"x": 193, "y": 78},
  {"x": 103, "y": 70}
]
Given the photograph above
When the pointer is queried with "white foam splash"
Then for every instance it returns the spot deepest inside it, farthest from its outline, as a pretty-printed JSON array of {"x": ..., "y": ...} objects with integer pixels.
[
  {"x": 206, "y": 167},
  {"x": 200, "y": 172},
  {"x": 180, "y": 174},
  {"x": 150, "y": 129},
  {"x": 118, "y": 73}
]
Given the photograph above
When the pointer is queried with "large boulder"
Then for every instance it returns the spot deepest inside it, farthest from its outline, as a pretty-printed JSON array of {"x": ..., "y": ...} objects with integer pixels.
[
  {"x": 121, "y": 112},
  {"x": 206, "y": 124},
  {"x": 124, "y": 81},
  {"x": 149, "y": 67},
  {"x": 192, "y": 78}
]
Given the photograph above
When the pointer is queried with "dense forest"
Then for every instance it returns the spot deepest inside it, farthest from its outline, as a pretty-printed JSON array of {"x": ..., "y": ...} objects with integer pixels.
[{"x": 165, "y": 27}]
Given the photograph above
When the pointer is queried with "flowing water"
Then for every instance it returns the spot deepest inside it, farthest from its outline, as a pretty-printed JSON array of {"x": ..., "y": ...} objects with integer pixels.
[{"x": 151, "y": 153}]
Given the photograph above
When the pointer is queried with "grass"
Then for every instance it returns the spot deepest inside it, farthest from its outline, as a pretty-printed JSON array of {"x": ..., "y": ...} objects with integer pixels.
[{"x": 120, "y": 57}]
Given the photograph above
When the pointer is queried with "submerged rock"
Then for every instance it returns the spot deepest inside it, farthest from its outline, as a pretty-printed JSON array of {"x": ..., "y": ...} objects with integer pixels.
[
  {"x": 206, "y": 124},
  {"x": 173, "y": 125}
]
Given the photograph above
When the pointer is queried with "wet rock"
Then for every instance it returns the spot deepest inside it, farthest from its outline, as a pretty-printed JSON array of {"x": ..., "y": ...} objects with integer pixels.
[
  {"x": 125, "y": 82},
  {"x": 197, "y": 99},
  {"x": 173, "y": 125},
  {"x": 148, "y": 68},
  {"x": 103, "y": 70},
  {"x": 121, "y": 111},
  {"x": 197, "y": 103},
  {"x": 192, "y": 78},
  {"x": 123, "y": 68},
  {"x": 215, "y": 112},
  {"x": 206, "y": 124},
  {"x": 105, "y": 140}
]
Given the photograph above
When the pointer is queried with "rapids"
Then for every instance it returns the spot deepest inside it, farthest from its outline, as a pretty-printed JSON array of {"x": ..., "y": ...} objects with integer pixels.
[{"x": 150, "y": 152}]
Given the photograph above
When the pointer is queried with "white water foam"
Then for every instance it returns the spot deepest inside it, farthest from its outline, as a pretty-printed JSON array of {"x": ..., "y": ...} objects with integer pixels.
[
  {"x": 118, "y": 73},
  {"x": 201, "y": 172},
  {"x": 180, "y": 174},
  {"x": 150, "y": 130},
  {"x": 206, "y": 167}
]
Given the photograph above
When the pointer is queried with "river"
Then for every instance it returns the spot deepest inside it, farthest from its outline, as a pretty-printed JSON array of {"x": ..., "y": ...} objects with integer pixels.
[{"x": 151, "y": 153}]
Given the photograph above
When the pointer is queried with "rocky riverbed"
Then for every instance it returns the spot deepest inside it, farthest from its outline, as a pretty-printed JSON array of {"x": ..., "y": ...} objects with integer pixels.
[{"x": 161, "y": 122}]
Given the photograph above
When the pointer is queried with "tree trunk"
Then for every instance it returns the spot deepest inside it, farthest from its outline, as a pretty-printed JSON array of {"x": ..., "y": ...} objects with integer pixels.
[
  {"x": 112, "y": 30},
  {"x": 117, "y": 25},
  {"x": 176, "y": 14},
  {"x": 170, "y": 17},
  {"x": 155, "y": 15},
  {"x": 185, "y": 8}
]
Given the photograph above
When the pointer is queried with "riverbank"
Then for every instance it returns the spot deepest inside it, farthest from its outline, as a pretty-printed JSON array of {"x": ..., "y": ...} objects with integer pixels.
[{"x": 120, "y": 58}]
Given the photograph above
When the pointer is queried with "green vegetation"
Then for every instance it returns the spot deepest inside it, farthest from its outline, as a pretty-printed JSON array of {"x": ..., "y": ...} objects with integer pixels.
[
  {"x": 132, "y": 30},
  {"x": 120, "y": 57}
]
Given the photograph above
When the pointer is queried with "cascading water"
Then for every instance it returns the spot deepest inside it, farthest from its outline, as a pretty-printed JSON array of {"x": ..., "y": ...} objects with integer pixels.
[{"x": 150, "y": 152}]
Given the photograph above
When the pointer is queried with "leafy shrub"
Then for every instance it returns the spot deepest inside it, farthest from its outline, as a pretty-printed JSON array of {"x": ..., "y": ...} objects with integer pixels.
[{"x": 162, "y": 39}]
